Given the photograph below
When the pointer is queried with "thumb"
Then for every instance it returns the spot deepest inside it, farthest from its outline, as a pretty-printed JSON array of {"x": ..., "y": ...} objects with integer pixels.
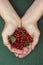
[
  {"x": 7, "y": 31},
  {"x": 36, "y": 38}
]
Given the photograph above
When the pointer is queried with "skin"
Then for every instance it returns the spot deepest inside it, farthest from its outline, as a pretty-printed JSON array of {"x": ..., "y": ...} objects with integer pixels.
[
  {"x": 28, "y": 21},
  {"x": 12, "y": 21}
]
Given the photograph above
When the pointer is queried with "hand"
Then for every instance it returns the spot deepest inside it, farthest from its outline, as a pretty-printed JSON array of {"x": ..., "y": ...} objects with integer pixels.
[
  {"x": 9, "y": 30},
  {"x": 29, "y": 22},
  {"x": 12, "y": 21},
  {"x": 33, "y": 30}
]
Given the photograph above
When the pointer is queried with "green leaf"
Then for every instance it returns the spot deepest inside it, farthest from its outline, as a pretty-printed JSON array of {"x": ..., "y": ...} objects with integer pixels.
[
  {"x": 13, "y": 39},
  {"x": 26, "y": 44}
]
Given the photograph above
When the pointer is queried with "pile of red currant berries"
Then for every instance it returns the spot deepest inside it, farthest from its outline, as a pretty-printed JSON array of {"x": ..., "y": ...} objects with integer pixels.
[{"x": 20, "y": 39}]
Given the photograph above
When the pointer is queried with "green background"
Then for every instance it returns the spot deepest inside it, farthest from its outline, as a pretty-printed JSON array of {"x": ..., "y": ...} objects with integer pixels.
[{"x": 36, "y": 56}]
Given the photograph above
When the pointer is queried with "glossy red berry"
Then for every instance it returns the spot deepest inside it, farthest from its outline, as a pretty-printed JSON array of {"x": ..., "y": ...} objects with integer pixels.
[{"x": 22, "y": 38}]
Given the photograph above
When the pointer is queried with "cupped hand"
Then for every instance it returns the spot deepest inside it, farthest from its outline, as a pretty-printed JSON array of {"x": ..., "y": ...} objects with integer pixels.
[
  {"x": 12, "y": 21},
  {"x": 33, "y": 30},
  {"x": 8, "y": 30},
  {"x": 29, "y": 22}
]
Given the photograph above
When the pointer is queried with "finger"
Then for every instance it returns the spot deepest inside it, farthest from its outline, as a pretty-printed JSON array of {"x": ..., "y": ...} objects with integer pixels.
[
  {"x": 21, "y": 52},
  {"x": 36, "y": 38},
  {"x": 26, "y": 51},
  {"x": 17, "y": 51},
  {"x": 29, "y": 50},
  {"x": 23, "y": 55},
  {"x": 16, "y": 54}
]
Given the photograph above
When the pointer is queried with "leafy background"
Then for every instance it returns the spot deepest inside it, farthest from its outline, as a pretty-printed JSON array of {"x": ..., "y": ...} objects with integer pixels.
[{"x": 36, "y": 56}]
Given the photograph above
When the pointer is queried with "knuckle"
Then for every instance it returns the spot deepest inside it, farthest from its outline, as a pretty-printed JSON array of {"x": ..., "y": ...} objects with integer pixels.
[{"x": 39, "y": 33}]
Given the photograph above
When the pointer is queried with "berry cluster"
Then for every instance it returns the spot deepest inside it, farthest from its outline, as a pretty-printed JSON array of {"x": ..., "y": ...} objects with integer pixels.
[{"x": 20, "y": 39}]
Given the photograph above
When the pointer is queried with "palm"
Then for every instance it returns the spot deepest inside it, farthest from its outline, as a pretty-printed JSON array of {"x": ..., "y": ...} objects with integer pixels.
[{"x": 34, "y": 32}]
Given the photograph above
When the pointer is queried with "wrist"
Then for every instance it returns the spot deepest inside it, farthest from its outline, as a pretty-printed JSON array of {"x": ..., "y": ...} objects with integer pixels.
[
  {"x": 34, "y": 13},
  {"x": 3, "y": 1},
  {"x": 39, "y": 1}
]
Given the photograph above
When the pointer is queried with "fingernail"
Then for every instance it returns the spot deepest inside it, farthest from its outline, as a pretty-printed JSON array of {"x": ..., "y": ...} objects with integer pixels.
[
  {"x": 12, "y": 50},
  {"x": 33, "y": 48},
  {"x": 20, "y": 56}
]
